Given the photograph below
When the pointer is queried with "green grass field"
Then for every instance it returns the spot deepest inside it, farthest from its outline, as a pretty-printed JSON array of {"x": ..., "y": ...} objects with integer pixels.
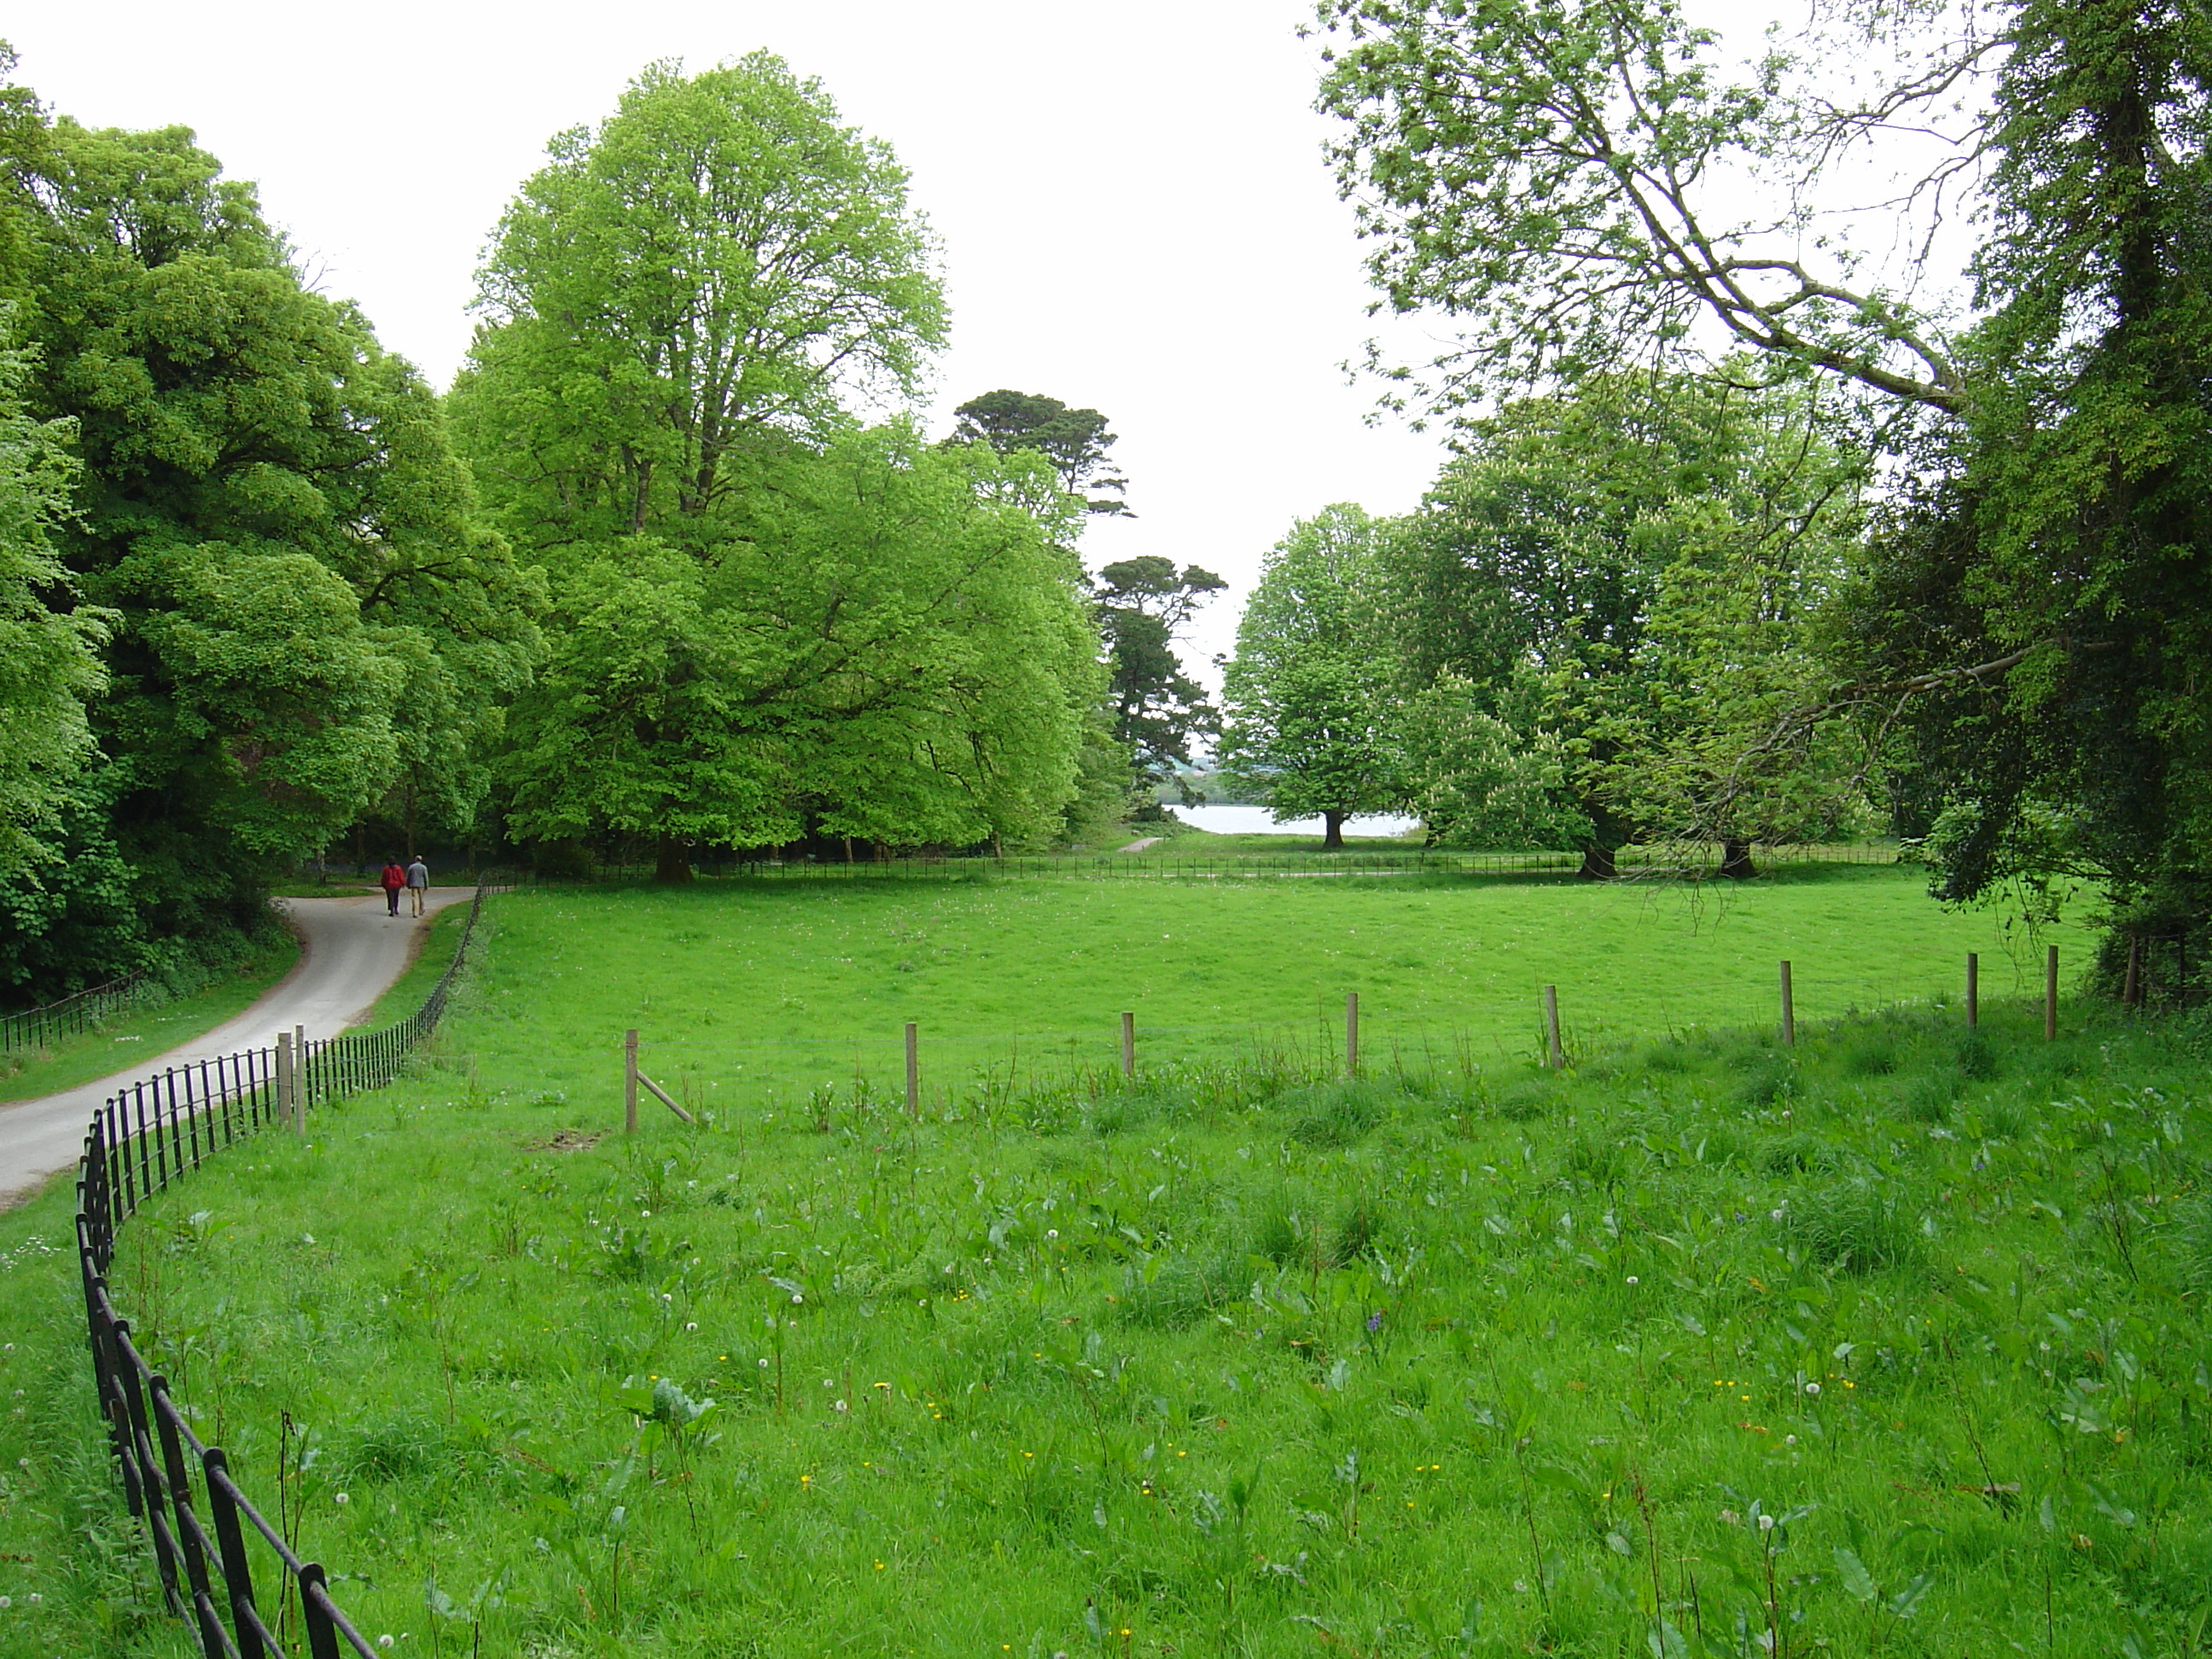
[
  {"x": 139, "y": 1033},
  {"x": 749, "y": 992},
  {"x": 1895, "y": 1344}
]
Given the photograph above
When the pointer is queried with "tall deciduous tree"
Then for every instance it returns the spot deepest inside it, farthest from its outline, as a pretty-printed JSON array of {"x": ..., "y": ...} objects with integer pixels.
[
  {"x": 1632, "y": 578},
  {"x": 1311, "y": 724},
  {"x": 1549, "y": 173},
  {"x": 49, "y": 647},
  {"x": 703, "y": 280},
  {"x": 768, "y": 622},
  {"x": 890, "y": 653},
  {"x": 268, "y": 508}
]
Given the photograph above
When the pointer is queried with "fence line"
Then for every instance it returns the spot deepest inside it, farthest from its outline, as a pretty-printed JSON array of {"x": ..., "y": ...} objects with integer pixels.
[
  {"x": 141, "y": 1139},
  {"x": 78, "y": 1013}
]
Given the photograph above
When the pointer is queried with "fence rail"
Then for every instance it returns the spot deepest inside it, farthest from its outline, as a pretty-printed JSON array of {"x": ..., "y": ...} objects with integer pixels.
[
  {"x": 35, "y": 1027},
  {"x": 141, "y": 1140}
]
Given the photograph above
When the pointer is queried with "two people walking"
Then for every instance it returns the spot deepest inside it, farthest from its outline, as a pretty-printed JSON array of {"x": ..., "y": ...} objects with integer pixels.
[{"x": 415, "y": 879}]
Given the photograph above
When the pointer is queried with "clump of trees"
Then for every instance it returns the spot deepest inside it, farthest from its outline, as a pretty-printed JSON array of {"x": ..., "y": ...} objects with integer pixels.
[
  {"x": 2019, "y": 638},
  {"x": 647, "y": 575},
  {"x": 1578, "y": 641}
]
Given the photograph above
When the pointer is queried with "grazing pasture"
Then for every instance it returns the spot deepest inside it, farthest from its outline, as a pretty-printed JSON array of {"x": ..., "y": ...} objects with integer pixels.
[
  {"x": 1892, "y": 1343},
  {"x": 770, "y": 992}
]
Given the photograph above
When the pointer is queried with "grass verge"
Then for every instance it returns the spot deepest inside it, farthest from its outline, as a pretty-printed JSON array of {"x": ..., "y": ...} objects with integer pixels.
[{"x": 138, "y": 1036}]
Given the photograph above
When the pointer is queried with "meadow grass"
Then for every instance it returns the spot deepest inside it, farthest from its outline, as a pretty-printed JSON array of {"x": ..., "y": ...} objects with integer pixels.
[
  {"x": 140, "y": 1033},
  {"x": 1892, "y": 1344},
  {"x": 775, "y": 990}
]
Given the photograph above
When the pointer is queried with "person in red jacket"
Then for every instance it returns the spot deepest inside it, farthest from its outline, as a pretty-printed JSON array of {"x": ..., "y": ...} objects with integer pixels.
[{"x": 393, "y": 880}]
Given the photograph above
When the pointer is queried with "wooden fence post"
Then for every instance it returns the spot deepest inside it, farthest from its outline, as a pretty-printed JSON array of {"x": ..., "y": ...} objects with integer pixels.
[
  {"x": 300, "y": 1078},
  {"x": 2051, "y": 994},
  {"x": 913, "y": 1071},
  {"x": 1351, "y": 1034},
  {"x": 283, "y": 1074},
  {"x": 1974, "y": 989},
  {"x": 1128, "y": 1045},
  {"x": 1789, "y": 1009},
  {"x": 630, "y": 1081},
  {"x": 1555, "y": 1052}
]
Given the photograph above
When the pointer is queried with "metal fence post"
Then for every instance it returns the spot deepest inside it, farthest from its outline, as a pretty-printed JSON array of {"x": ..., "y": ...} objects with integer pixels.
[{"x": 230, "y": 1541}]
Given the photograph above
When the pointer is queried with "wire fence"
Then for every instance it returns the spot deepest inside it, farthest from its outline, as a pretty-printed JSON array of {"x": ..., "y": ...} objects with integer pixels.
[
  {"x": 206, "y": 1540},
  {"x": 35, "y": 1028}
]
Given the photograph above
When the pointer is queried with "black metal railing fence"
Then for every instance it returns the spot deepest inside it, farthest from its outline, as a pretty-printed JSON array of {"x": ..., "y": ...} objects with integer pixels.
[
  {"x": 35, "y": 1028},
  {"x": 141, "y": 1139}
]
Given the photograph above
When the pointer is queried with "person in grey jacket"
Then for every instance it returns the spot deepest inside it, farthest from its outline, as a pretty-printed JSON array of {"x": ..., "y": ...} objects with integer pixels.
[{"x": 418, "y": 883}]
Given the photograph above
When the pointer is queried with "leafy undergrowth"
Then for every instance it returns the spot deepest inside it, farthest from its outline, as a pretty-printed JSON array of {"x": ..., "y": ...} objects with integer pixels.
[{"x": 1895, "y": 1344}]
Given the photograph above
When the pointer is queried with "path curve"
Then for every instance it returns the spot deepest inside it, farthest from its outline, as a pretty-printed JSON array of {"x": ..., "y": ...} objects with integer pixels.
[{"x": 351, "y": 953}]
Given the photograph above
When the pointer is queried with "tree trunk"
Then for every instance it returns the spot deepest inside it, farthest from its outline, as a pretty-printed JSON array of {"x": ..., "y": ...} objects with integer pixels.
[
  {"x": 1735, "y": 860},
  {"x": 1597, "y": 864},
  {"x": 675, "y": 863},
  {"x": 1332, "y": 840}
]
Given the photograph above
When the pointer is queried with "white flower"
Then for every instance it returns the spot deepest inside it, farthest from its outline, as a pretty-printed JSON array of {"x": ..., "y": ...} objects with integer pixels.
[
  {"x": 1632, "y": 1279},
  {"x": 1812, "y": 1388},
  {"x": 1774, "y": 1215},
  {"x": 1789, "y": 1439},
  {"x": 691, "y": 1324},
  {"x": 342, "y": 1500},
  {"x": 1052, "y": 1232},
  {"x": 764, "y": 1365},
  {"x": 383, "y": 1641},
  {"x": 1766, "y": 1523},
  {"x": 5, "y": 1601},
  {"x": 796, "y": 1298},
  {"x": 35, "y": 1598},
  {"x": 841, "y": 1405},
  {"x": 307, "y": 1238}
]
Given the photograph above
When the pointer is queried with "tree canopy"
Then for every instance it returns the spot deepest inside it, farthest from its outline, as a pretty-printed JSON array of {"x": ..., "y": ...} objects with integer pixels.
[
  {"x": 1564, "y": 180},
  {"x": 768, "y": 623},
  {"x": 1311, "y": 726},
  {"x": 270, "y": 533},
  {"x": 1075, "y": 440}
]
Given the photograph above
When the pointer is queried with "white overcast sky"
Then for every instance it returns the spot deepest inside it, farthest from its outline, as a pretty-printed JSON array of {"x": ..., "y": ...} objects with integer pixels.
[
  {"x": 1133, "y": 206},
  {"x": 1134, "y": 211}
]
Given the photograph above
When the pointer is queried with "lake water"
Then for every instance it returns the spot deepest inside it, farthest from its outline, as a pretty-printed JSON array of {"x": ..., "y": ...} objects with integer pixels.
[{"x": 1258, "y": 821}]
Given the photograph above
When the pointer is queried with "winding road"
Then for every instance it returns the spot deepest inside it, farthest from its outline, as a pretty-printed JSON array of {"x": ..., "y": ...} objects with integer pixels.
[{"x": 352, "y": 952}]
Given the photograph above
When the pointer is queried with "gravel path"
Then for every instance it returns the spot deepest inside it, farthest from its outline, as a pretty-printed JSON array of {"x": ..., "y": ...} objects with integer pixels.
[{"x": 352, "y": 952}]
